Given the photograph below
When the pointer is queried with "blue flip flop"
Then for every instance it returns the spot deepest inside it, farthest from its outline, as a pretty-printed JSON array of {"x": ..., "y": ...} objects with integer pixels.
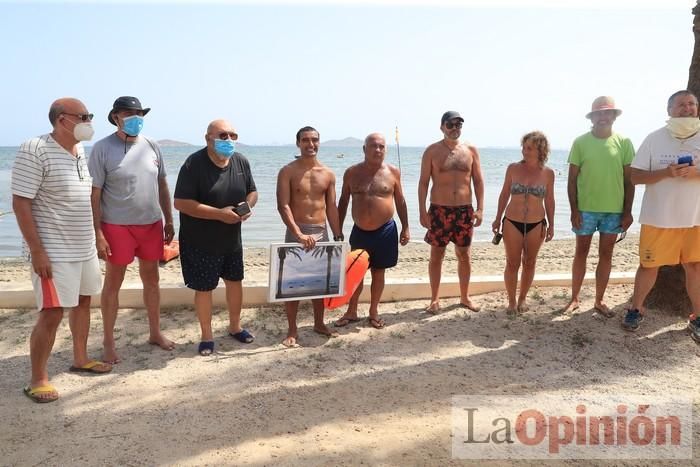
[
  {"x": 206, "y": 348},
  {"x": 242, "y": 336}
]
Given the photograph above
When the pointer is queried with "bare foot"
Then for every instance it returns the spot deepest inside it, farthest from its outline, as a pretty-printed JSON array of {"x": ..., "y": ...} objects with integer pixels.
[
  {"x": 290, "y": 341},
  {"x": 325, "y": 331},
  {"x": 469, "y": 305},
  {"x": 433, "y": 308},
  {"x": 523, "y": 307},
  {"x": 109, "y": 355},
  {"x": 571, "y": 307},
  {"x": 161, "y": 341},
  {"x": 511, "y": 310}
]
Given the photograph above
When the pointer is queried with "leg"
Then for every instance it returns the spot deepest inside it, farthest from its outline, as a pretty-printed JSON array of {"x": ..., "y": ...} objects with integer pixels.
[
  {"x": 437, "y": 253},
  {"x": 79, "y": 322},
  {"x": 291, "y": 308},
  {"x": 234, "y": 300},
  {"x": 376, "y": 290},
  {"x": 114, "y": 276},
  {"x": 202, "y": 306},
  {"x": 534, "y": 241},
  {"x": 578, "y": 270},
  {"x": 602, "y": 272},
  {"x": 40, "y": 345},
  {"x": 692, "y": 284},
  {"x": 148, "y": 270},
  {"x": 464, "y": 271},
  {"x": 643, "y": 282},
  {"x": 319, "y": 326},
  {"x": 513, "y": 242},
  {"x": 350, "y": 315}
]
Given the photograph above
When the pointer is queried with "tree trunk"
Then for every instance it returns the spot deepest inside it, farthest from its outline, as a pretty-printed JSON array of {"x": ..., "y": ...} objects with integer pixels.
[{"x": 669, "y": 291}]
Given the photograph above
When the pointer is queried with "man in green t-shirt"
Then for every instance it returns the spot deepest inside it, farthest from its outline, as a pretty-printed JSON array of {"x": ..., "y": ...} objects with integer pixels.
[{"x": 600, "y": 196}]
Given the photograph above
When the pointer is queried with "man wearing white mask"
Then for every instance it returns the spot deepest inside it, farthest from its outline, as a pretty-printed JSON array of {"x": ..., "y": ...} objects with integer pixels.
[
  {"x": 600, "y": 196},
  {"x": 51, "y": 201},
  {"x": 215, "y": 193},
  {"x": 667, "y": 163},
  {"x": 132, "y": 215}
]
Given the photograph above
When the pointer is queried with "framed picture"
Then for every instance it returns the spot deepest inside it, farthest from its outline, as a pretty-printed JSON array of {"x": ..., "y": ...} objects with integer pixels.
[{"x": 297, "y": 274}]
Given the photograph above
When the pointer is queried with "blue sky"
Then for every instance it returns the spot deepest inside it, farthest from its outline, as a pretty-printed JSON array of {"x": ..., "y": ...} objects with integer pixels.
[{"x": 272, "y": 67}]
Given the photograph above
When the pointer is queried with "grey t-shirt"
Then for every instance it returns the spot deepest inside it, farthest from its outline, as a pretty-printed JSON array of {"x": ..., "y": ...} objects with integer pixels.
[{"x": 129, "y": 180}]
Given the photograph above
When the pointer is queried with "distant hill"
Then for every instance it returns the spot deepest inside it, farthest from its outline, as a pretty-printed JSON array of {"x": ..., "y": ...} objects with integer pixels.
[
  {"x": 348, "y": 142},
  {"x": 172, "y": 142}
]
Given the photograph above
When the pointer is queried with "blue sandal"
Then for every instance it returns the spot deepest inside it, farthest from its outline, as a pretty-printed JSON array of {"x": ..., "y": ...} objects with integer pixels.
[
  {"x": 206, "y": 348},
  {"x": 243, "y": 336}
]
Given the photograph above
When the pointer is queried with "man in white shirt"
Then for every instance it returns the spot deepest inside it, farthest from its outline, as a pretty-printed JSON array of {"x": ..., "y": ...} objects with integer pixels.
[
  {"x": 51, "y": 200},
  {"x": 667, "y": 163}
]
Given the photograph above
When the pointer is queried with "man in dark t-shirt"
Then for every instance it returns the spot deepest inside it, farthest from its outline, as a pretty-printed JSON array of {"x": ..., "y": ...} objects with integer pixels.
[{"x": 215, "y": 193}]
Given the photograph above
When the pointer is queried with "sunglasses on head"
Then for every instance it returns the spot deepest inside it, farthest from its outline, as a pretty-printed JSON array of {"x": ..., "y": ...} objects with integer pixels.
[
  {"x": 451, "y": 125},
  {"x": 83, "y": 117},
  {"x": 227, "y": 135}
]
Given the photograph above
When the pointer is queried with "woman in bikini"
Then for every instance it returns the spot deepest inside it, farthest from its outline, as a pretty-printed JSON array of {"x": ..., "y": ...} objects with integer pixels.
[{"x": 527, "y": 198}]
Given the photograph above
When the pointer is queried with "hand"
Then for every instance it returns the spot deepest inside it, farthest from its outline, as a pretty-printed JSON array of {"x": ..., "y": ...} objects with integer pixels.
[
  {"x": 308, "y": 241},
  {"x": 103, "y": 249},
  {"x": 169, "y": 231},
  {"x": 425, "y": 220},
  {"x": 626, "y": 221},
  {"x": 679, "y": 170},
  {"x": 496, "y": 226},
  {"x": 550, "y": 233},
  {"x": 576, "y": 219},
  {"x": 228, "y": 215},
  {"x": 477, "y": 218},
  {"x": 246, "y": 217},
  {"x": 41, "y": 264},
  {"x": 404, "y": 237}
]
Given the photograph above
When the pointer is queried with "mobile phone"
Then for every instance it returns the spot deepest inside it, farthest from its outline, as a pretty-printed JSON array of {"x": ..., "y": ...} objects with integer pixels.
[
  {"x": 242, "y": 209},
  {"x": 497, "y": 238},
  {"x": 687, "y": 159}
]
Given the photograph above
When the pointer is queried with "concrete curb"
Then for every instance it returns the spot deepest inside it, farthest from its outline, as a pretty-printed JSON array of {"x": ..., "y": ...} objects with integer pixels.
[{"x": 255, "y": 294}]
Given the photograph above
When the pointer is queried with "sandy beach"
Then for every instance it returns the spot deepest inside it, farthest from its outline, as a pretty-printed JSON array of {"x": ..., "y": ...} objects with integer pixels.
[{"x": 369, "y": 397}]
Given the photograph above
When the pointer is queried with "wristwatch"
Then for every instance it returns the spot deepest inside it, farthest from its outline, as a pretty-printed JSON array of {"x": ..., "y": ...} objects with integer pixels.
[{"x": 339, "y": 238}]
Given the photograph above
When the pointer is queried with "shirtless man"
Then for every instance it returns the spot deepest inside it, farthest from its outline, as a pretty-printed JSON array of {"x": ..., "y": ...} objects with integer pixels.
[
  {"x": 375, "y": 188},
  {"x": 453, "y": 167},
  {"x": 305, "y": 199}
]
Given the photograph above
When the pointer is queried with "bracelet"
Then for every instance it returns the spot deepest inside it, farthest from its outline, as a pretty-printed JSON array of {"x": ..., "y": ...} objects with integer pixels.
[{"x": 339, "y": 238}]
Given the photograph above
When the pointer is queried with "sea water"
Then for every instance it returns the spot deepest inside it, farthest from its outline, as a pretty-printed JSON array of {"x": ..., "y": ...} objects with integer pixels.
[{"x": 265, "y": 226}]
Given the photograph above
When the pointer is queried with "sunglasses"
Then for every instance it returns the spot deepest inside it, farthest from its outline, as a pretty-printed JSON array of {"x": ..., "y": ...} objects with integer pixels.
[
  {"x": 228, "y": 135},
  {"x": 621, "y": 237},
  {"x": 81, "y": 168},
  {"x": 451, "y": 125},
  {"x": 83, "y": 117}
]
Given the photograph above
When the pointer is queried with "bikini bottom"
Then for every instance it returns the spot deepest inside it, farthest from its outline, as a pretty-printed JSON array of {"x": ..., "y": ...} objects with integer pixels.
[{"x": 525, "y": 227}]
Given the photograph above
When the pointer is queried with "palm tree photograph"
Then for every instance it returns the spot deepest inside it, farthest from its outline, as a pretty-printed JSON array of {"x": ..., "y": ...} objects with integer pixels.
[{"x": 296, "y": 273}]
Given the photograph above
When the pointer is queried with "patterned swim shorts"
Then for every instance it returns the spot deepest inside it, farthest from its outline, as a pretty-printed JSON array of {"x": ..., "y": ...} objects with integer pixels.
[{"x": 450, "y": 224}]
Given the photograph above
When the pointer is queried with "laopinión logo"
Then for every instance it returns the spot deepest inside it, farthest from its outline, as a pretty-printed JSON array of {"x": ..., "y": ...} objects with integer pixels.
[{"x": 579, "y": 426}]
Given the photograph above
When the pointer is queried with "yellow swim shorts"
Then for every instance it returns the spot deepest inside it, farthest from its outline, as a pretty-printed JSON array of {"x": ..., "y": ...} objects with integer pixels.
[{"x": 666, "y": 247}]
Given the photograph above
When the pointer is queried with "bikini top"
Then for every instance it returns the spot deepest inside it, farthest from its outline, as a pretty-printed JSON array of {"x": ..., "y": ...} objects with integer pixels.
[{"x": 535, "y": 190}]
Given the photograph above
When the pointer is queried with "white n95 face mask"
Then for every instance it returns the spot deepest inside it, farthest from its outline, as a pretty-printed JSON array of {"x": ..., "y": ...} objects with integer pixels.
[{"x": 83, "y": 131}]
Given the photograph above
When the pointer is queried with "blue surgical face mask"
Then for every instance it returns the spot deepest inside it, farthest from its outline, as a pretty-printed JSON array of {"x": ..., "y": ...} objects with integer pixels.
[
  {"x": 224, "y": 147},
  {"x": 132, "y": 125}
]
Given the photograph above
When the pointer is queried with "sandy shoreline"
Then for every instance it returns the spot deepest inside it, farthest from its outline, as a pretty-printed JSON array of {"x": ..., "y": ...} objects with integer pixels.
[
  {"x": 487, "y": 259},
  {"x": 372, "y": 397}
]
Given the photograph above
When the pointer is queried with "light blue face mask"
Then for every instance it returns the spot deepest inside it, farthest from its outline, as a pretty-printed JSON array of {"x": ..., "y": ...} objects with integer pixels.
[
  {"x": 132, "y": 125},
  {"x": 224, "y": 147}
]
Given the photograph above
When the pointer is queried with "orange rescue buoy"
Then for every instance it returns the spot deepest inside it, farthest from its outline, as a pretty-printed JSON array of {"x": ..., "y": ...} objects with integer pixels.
[
  {"x": 356, "y": 265},
  {"x": 170, "y": 251}
]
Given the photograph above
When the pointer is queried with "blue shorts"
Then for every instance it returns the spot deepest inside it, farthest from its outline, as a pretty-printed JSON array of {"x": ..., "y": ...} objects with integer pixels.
[
  {"x": 201, "y": 270},
  {"x": 381, "y": 244},
  {"x": 603, "y": 222}
]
